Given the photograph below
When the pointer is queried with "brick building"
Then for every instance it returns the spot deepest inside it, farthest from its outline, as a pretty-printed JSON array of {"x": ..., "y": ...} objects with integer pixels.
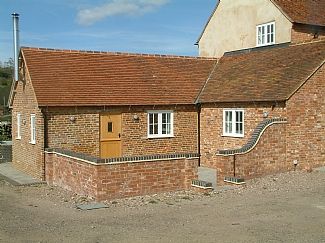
[
  {"x": 104, "y": 112},
  {"x": 116, "y": 125},
  {"x": 262, "y": 111}
]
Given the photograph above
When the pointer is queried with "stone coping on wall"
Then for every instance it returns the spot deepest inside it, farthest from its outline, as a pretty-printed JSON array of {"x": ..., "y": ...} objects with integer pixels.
[
  {"x": 130, "y": 159},
  {"x": 252, "y": 142}
]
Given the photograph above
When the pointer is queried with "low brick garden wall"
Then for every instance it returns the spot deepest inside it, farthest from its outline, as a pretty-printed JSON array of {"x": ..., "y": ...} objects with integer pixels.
[
  {"x": 121, "y": 177},
  {"x": 268, "y": 157}
]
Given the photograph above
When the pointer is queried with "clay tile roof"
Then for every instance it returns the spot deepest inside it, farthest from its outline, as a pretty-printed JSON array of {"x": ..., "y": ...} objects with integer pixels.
[
  {"x": 267, "y": 74},
  {"x": 303, "y": 11},
  {"x": 82, "y": 78}
]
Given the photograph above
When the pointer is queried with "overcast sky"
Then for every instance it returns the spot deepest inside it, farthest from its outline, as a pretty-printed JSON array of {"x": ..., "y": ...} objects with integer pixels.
[{"x": 141, "y": 26}]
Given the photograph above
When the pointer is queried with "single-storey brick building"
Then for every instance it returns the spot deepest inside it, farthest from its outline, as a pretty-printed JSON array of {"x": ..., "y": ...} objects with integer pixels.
[{"x": 91, "y": 121}]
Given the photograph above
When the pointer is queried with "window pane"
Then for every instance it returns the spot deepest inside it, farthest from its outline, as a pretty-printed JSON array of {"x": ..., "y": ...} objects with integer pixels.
[
  {"x": 239, "y": 116},
  {"x": 153, "y": 123},
  {"x": 168, "y": 130},
  {"x": 228, "y": 124},
  {"x": 110, "y": 127},
  {"x": 164, "y": 117},
  {"x": 33, "y": 128},
  {"x": 150, "y": 118},
  {"x": 239, "y": 122},
  {"x": 166, "y": 123},
  {"x": 239, "y": 128},
  {"x": 18, "y": 125},
  {"x": 259, "y": 36},
  {"x": 155, "y": 129}
]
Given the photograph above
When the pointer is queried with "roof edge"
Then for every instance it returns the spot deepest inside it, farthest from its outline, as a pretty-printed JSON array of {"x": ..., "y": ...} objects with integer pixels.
[
  {"x": 244, "y": 101},
  {"x": 290, "y": 19},
  {"x": 206, "y": 82},
  {"x": 305, "y": 81},
  {"x": 114, "y": 53},
  {"x": 207, "y": 23},
  {"x": 282, "y": 11}
]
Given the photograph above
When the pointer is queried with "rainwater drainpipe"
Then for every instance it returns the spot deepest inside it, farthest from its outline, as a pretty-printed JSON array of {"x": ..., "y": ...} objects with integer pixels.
[
  {"x": 45, "y": 141},
  {"x": 234, "y": 165},
  {"x": 198, "y": 107},
  {"x": 15, "y": 18}
]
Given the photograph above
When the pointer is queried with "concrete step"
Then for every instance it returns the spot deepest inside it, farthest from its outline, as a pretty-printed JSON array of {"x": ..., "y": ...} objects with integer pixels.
[{"x": 208, "y": 175}]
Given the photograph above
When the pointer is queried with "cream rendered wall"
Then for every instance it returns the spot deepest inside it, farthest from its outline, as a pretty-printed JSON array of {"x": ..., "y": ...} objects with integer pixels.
[{"x": 233, "y": 26}]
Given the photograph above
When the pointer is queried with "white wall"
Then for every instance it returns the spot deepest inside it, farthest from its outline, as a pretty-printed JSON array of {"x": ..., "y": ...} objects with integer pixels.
[{"x": 233, "y": 26}]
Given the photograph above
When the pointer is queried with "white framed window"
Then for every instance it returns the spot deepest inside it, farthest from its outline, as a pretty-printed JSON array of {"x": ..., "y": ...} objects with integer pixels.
[
  {"x": 32, "y": 129},
  {"x": 265, "y": 34},
  {"x": 160, "y": 124},
  {"x": 18, "y": 126},
  {"x": 233, "y": 122}
]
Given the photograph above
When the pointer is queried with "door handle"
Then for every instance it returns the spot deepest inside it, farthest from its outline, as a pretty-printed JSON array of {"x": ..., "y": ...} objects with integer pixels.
[{"x": 119, "y": 135}]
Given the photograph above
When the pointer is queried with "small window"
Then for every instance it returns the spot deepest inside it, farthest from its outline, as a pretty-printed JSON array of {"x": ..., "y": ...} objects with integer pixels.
[
  {"x": 32, "y": 129},
  {"x": 18, "y": 126},
  {"x": 265, "y": 34},
  {"x": 233, "y": 123},
  {"x": 160, "y": 124},
  {"x": 110, "y": 127}
]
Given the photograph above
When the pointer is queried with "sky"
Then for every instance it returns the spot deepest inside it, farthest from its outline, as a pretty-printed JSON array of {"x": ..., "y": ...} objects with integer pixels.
[{"x": 136, "y": 26}]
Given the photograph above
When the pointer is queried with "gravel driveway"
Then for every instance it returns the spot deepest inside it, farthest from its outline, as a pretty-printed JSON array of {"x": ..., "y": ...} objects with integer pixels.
[{"x": 288, "y": 207}]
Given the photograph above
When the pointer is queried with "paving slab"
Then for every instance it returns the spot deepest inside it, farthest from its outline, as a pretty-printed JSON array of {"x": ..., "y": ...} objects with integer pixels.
[
  {"x": 15, "y": 177},
  {"x": 321, "y": 169},
  {"x": 92, "y": 206},
  {"x": 208, "y": 175}
]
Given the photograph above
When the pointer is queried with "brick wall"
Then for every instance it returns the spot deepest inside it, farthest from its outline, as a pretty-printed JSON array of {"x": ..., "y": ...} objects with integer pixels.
[
  {"x": 306, "y": 118},
  {"x": 306, "y": 33},
  {"x": 134, "y": 133},
  {"x": 268, "y": 157},
  {"x": 27, "y": 157},
  {"x": 212, "y": 126},
  {"x": 109, "y": 181},
  {"x": 82, "y": 135}
]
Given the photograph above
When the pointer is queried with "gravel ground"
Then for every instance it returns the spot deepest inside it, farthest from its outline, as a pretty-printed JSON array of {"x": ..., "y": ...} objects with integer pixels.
[{"x": 288, "y": 207}]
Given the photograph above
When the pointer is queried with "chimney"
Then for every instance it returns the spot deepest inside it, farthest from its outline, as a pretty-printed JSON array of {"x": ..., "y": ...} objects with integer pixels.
[{"x": 15, "y": 18}]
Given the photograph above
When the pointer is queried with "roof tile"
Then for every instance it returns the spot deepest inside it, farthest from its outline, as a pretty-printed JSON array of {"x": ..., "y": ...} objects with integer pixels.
[
  {"x": 264, "y": 74},
  {"x": 86, "y": 78},
  {"x": 304, "y": 11}
]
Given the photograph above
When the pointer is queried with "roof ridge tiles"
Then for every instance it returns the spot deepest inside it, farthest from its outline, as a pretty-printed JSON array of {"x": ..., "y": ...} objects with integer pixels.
[
  {"x": 270, "y": 47},
  {"x": 116, "y": 53}
]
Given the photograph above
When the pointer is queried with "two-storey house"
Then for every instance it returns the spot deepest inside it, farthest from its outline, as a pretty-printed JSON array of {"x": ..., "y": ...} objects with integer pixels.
[{"x": 241, "y": 24}]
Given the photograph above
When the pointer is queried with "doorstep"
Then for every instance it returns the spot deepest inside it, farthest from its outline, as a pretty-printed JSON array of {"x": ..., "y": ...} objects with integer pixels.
[{"x": 15, "y": 177}]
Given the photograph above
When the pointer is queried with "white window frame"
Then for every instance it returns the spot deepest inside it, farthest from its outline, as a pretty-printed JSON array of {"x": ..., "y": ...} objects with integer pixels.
[
  {"x": 233, "y": 123},
  {"x": 160, "y": 125},
  {"x": 32, "y": 129},
  {"x": 18, "y": 126},
  {"x": 264, "y": 27}
]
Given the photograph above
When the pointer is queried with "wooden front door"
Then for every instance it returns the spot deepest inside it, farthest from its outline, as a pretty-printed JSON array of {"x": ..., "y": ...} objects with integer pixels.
[{"x": 110, "y": 135}]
